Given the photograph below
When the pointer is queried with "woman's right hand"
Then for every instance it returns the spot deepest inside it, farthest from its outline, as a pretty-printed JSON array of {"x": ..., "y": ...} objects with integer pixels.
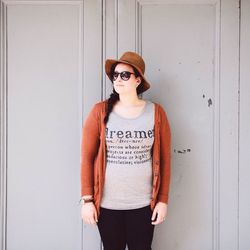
[{"x": 89, "y": 213}]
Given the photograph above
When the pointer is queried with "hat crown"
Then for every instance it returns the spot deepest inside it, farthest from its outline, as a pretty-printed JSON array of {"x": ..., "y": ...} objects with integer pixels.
[
  {"x": 130, "y": 58},
  {"x": 135, "y": 59}
]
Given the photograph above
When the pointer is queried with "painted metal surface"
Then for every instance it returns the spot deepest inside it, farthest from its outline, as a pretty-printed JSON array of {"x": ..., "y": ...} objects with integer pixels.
[
  {"x": 55, "y": 74},
  {"x": 43, "y": 125}
]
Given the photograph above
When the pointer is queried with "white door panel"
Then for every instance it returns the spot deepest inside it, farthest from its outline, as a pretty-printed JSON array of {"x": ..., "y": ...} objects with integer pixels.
[
  {"x": 44, "y": 125},
  {"x": 181, "y": 72}
]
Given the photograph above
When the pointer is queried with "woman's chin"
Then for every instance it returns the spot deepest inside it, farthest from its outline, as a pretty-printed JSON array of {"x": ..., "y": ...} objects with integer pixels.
[{"x": 120, "y": 89}]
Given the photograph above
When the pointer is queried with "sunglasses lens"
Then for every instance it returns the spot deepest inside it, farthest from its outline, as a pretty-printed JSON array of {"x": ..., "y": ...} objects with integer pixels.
[
  {"x": 125, "y": 75},
  {"x": 115, "y": 75}
]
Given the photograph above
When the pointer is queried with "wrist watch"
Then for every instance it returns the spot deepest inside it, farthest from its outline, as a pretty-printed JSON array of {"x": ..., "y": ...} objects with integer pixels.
[{"x": 86, "y": 200}]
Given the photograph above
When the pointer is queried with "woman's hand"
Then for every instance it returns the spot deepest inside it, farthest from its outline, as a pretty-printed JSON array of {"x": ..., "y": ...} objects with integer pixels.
[
  {"x": 161, "y": 211},
  {"x": 89, "y": 213}
]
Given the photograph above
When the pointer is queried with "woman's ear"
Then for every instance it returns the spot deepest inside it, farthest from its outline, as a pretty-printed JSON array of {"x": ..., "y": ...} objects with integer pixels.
[{"x": 138, "y": 80}]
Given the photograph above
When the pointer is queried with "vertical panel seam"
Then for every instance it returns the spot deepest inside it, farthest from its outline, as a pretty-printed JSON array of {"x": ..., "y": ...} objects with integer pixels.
[
  {"x": 3, "y": 120},
  {"x": 217, "y": 247},
  {"x": 239, "y": 68},
  {"x": 82, "y": 93},
  {"x": 116, "y": 28}
]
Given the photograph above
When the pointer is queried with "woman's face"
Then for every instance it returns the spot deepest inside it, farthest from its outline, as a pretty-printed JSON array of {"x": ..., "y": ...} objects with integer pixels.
[{"x": 122, "y": 86}]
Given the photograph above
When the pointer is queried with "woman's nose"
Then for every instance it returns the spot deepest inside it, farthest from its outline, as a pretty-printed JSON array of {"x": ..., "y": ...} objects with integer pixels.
[{"x": 118, "y": 78}]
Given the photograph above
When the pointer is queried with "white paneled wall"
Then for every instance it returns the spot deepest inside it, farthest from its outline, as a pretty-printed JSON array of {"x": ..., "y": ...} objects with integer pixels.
[
  {"x": 43, "y": 79},
  {"x": 244, "y": 129},
  {"x": 52, "y": 71}
]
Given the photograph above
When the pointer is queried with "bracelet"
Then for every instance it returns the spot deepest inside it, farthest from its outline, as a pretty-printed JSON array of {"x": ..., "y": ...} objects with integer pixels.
[{"x": 85, "y": 200}]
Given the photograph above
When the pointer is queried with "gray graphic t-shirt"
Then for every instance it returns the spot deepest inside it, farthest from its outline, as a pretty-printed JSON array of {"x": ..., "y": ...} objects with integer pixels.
[{"x": 128, "y": 177}]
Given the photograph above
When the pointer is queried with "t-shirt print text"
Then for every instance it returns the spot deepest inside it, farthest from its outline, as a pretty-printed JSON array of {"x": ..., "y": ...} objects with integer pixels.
[{"x": 129, "y": 147}]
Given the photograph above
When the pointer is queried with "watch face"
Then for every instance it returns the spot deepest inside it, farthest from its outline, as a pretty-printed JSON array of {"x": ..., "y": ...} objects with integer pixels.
[
  {"x": 82, "y": 200},
  {"x": 86, "y": 201}
]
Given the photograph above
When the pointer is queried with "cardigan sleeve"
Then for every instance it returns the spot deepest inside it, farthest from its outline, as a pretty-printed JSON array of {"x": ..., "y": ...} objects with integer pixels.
[
  {"x": 165, "y": 157},
  {"x": 90, "y": 142}
]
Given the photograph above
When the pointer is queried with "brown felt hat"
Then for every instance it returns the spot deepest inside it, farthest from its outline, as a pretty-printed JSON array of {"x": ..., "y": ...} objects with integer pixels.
[{"x": 130, "y": 58}]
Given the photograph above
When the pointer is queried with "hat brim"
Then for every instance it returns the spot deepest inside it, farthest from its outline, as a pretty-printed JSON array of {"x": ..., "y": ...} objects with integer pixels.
[{"x": 110, "y": 62}]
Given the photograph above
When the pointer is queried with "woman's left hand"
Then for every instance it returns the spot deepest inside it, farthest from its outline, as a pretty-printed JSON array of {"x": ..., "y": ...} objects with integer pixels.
[{"x": 161, "y": 211}]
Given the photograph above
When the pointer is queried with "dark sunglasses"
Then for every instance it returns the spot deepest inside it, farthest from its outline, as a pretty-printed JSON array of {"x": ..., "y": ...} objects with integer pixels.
[{"x": 125, "y": 75}]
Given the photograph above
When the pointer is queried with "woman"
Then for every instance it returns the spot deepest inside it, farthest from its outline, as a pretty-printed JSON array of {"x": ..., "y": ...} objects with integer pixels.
[{"x": 125, "y": 160}]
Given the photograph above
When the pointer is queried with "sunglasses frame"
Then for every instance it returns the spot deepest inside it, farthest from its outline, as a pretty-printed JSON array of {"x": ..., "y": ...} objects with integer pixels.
[{"x": 121, "y": 75}]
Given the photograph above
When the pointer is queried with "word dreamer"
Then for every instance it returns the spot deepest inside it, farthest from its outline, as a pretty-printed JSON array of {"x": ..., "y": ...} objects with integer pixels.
[{"x": 140, "y": 134}]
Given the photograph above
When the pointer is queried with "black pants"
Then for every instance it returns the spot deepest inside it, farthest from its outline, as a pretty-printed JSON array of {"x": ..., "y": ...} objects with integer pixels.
[{"x": 120, "y": 227}]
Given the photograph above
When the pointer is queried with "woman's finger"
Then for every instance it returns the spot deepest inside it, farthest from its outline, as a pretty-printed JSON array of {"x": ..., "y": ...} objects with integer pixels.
[
  {"x": 154, "y": 215},
  {"x": 159, "y": 219},
  {"x": 92, "y": 219},
  {"x": 95, "y": 216},
  {"x": 89, "y": 220}
]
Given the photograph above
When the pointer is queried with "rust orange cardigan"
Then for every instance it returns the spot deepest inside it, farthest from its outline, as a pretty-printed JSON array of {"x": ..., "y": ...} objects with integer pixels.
[{"x": 93, "y": 155}]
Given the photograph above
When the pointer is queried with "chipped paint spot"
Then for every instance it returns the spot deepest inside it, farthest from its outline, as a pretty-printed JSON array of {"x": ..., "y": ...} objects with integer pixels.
[
  {"x": 209, "y": 102},
  {"x": 183, "y": 151},
  {"x": 203, "y": 96}
]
